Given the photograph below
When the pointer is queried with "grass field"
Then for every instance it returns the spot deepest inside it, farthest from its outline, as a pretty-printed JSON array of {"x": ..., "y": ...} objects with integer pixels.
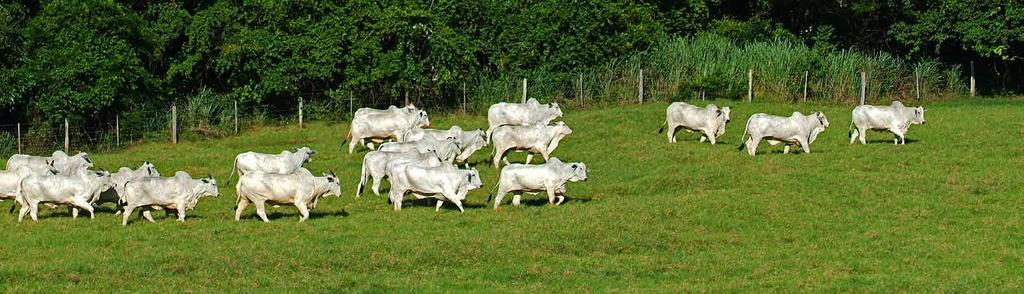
[{"x": 942, "y": 213}]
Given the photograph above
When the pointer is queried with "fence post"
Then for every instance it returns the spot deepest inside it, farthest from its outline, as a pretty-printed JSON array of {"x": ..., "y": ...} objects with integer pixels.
[
  {"x": 300, "y": 111},
  {"x": 174, "y": 124},
  {"x": 750, "y": 85},
  {"x": 972, "y": 80},
  {"x": 117, "y": 129},
  {"x": 863, "y": 86},
  {"x": 806, "y": 76},
  {"x": 580, "y": 93},
  {"x": 465, "y": 107},
  {"x": 67, "y": 137},
  {"x": 351, "y": 98},
  {"x": 524, "y": 90},
  {"x": 641, "y": 91},
  {"x": 19, "y": 137},
  {"x": 406, "y": 97},
  {"x": 917, "y": 83},
  {"x": 236, "y": 117}
]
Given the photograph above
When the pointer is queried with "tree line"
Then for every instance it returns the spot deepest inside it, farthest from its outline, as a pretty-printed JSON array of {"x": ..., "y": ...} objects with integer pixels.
[{"x": 80, "y": 59}]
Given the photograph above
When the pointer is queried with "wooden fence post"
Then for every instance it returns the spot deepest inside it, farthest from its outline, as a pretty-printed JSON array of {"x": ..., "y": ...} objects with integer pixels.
[
  {"x": 407, "y": 97},
  {"x": 236, "y": 117},
  {"x": 524, "y": 90},
  {"x": 580, "y": 92},
  {"x": 640, "y": 95},
  {"x": 300, "y": 111},
  {"x": 806, "y": 76},
  {"x": 465, "y": 107},
  {"x": 351, "y": 99},
  {"x": 19, "y": 137},
  {"x": 750, "y": 85},
  {"x": 174, "y": 124},
  {"x": 863, "y": 86},
  {"x": 67, "y": 136},
  {"x": 917, "y": 83},
  {"x": 973, "y": 89},
  {"x": 117, "y": 129}
]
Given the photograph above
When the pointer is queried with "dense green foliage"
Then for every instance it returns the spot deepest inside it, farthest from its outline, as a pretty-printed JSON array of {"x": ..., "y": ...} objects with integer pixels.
[
  {"x": 97, "y": 58},
  {"x": 939, "y": 213}
]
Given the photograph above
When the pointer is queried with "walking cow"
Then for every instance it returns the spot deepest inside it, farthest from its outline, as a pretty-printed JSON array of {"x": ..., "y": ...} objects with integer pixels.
[
  {"x": 443, "y": 182},
  {"x": 710, "y": 121},
  {"x": 894, "y": 118},
  {"x": 75, "y": 190},
  {"x": 377, "y": 127},
  {"x": 518, "y": 114},
  {"x": 797, "y": 129},
  {"x": 180, "y": 193},
  {"x": 540, "y": 139},
  {"x": 391, "y": 109},
  {"x": 61, "y": 161},
  {"x": 375, "y": 164},
  {"x": 10, "y": 180},
  {"x": 300, "y": 188},
  {"x": 284, "y": 163},
  {"x": 549, "y": 177},
  {"x": 115, "y": 194}
]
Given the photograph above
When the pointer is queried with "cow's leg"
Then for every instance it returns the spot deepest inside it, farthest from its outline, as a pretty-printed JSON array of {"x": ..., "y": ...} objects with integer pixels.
[
  {"x": 127, "y": 213},
  {"x": 561, "y": 198},
  {"x": 551, "y": 195},
  {"x": 303, "y": 211},
  {"x": 376, "y": 184},
  {"x": 369, "y": 145},
  {"x": 752, "y": 143},
  {"x": 517, "y": 198},
  {"x": 34, "y": 210},
  {"x": 74, "y": 211},
  {"x": 853, "y": 135},
  {"x": 529, "y": 157},
  {"x": 671, "y": 134},
  {"x": 805, "y": 145},
  {"x": 242, "y": 204},
  {"x": 439, "y": 203},
  {"x": 85, "y": 206},
  {"x": 458, "y": 203},
  {"x": 24, "y": 210},
  {"x": 862, "y": 133},
  {"x": 497, "y": 198},
  {"x": 181, "y": 211},
  {"x": 785, "y": 149},
  {"x": 352, "y": 145},
  {"x": 709, "y": 135},
  {"x": 148, "y": 214},
  {"x": 498, "y": 155},
  {"x": 261, "y": 210}
]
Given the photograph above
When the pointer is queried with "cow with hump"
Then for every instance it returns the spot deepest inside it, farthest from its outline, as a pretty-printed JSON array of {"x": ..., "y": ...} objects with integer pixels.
[
  {"x": 379, "y": 126},
  {"x": 375, "y": 164},
  {"x": 284, "y": 163},
  {"x": 301, "y": 189},
  {"x": 444, "y": 183},
  {"x": 550, "y": 177},
  {"x": 709, "y": 121},
  {"x": 180, "y": 192},
  {"x": 75, "y": 190},
  {"x": 533, "y": 139},
  {"x": 894, "y": 118},
  {"x": 797, "y": 129},
  {"x": 518, "y": 114},
  {"x": 64, "y": 163}
]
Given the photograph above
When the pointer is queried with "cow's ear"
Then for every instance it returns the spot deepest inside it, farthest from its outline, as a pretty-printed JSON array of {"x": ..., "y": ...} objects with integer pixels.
[{"x": 719, "y": 111}]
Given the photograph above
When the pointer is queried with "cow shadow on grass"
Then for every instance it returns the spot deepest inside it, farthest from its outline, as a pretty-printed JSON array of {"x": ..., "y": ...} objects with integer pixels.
[
  {"x": 888, "y": 142},
  {"x": 432, "y": 202},
  {"x": 542, "y": 200},
  {"x": 275, "y": 214}
]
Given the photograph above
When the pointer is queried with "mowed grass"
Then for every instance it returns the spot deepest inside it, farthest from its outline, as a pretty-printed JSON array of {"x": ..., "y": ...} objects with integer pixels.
[{"x": 940, "y": 213}]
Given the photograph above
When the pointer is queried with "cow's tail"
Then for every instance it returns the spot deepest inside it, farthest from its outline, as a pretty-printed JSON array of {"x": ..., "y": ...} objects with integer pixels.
[
  {"x": 363, "y": 178},
  {"x": 491, "y": 193},
  {"x": 348, "y": 137},
  {"x": 234, "y": 167},
  {"x": 849, "y": 131},
  {"x": 743, "y": 138},
  {"x": 19, "y": 195},
  {"x": 663, "y": 126}
]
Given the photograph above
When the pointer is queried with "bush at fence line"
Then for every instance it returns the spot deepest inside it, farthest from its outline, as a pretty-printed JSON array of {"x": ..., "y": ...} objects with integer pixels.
[{"x": 8, "y": 144}]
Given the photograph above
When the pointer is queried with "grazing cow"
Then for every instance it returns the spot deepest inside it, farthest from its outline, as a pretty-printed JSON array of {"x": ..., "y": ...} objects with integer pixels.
[
  {"x": 10, "y": 180},
  {"x": 447, "y": 150},
  {"x": 375, "y": 165},
  {"x": 894, "y": 118},
  {"x": 529, "y": 113},
  {"x": 383, "y": 126},
  {"x": 797, "y": 129},
  {"x": 180, "y": 192},
  {"x": 301, "y": 189},
  {"x": 74, "y": 190},
  {"x": 541, "y": 139},
  {"x": 709, "y": 121},
  {"x": 124, "y": 175},
  {"x": 549, "y": 177},
  {"x": 392, "y": 109},
  {"x": 284, "y": 163},
  {"x": 65, "y": 164},
  {"x": 443, "y": 182}
]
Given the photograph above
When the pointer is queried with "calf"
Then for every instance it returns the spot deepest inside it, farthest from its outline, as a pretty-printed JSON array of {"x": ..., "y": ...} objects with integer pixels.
[{"x": 549, "y": 177}]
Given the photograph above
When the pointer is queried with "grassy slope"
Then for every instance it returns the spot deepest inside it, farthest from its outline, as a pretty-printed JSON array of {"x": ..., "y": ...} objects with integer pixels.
[{"x": 942, "y": 212}]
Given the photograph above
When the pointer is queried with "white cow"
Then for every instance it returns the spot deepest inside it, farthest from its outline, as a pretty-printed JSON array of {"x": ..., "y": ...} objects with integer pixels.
[
  {"x": 710, "y": 121},
  {"x": 797, "y": 129},
  {"x": 443, "y": 182},
  {"x": 65, "y": 164},
  {"x": 540, "y": 139},
  {"x": 180, "y": 192},
  {"x": 447, "y": 150},
  {"x": 529, "y": 113},
  {"x": 286, "y": 162},
  {"x": 301, "y": 189},
  {"x": 123, "y": 175},
  {"x": 894, "y": 118},
  {"x": 549, "y": 177},
  {"x": 416, "y": 134},
  {"x": 74, "y": 190},
  {"x": 469, "y": 141},
  {"x": 394, "y": 109},
  {"x": 375, "y": 165},
  {"x": 10, "y": 180},
  {"x": 383, "y": 126}
]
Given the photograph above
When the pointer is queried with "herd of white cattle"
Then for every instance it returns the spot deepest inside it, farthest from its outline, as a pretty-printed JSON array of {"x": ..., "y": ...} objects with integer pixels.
[
  {"x": 796, "y": 130},
  {"x": 415, "y": 159}
]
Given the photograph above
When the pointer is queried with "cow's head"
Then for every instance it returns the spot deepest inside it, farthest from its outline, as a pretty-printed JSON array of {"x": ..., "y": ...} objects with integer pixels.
[
  {"x": 919, "y": 115},
  {"x": 422, "y": 120},
  {"x": 561, "y": 129},
  {"x": 333, "y": 186},
  {"x": 475, "y": 140},
  {"x": 723, "y": 113},
  {"x": 207, "y": 187},
  {"x": 306, "y": 153},
  {"x": 473, "y": 179},
  {"x": 149, "y": 169},
  {"x": 577, "y": 172},
  {"x": 410, "y": 108},
  {"x": 822, "y": 120},
  {"x": 557, "y": 110}
]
